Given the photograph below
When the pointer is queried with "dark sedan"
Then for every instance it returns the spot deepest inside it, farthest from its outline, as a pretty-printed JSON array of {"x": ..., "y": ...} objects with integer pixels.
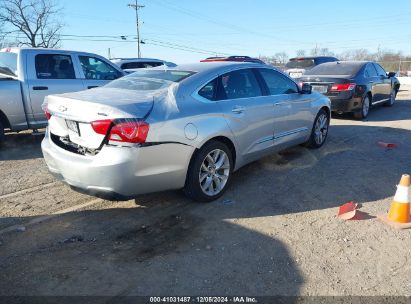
[{"x": 353, "y": 86}]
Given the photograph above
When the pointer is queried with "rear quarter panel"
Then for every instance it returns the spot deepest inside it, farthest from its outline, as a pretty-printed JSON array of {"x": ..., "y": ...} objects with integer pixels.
[
  {"x": 319, "y": 101},
  {"x": 191, "y": 122},
  {"x": 11, "y": 103}
]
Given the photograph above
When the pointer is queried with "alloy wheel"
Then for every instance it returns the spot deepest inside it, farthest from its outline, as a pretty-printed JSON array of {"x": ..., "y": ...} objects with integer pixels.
[
  {"x": 321, "y": 129},
  {"x": 214, "y": 172},
  {"x": 365, "y": 107}
]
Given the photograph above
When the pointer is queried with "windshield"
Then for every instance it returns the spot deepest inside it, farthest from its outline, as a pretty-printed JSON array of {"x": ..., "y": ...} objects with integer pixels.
[
  {"x": 8, "y": 63},
  {"x": 300, "y": 63},
  {"x": 335, "y": 69},
  {"x": 149, "y": 80}
]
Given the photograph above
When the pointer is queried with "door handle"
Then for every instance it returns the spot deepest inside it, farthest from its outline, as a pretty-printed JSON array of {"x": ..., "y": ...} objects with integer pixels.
[
  {"x": 40, "y": 88},
  {"x": 281, "y": 103},
  {"x": 238, "y": 110},
  {"x": 92, "y": 87},
  {"x": 371, "y": 82}
]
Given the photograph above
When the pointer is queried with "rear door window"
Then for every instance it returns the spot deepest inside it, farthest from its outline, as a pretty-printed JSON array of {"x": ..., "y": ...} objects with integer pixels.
[
  {"x": 209, "y": 91},
  {"x": 370, "y": 71},
  {"x": 240, "y": 84},
  {"x": 278, "y": 84},
  {"x": 54, "y": 66},
  {"x": 96, "y": 69}
]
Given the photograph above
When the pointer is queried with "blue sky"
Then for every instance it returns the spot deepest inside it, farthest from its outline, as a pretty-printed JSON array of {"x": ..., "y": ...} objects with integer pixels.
[{"x": 239, "y": 27}]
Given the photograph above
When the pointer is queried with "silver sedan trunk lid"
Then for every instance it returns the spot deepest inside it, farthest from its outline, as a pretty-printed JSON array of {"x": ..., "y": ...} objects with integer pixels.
[{"x": 73, "y": 113}]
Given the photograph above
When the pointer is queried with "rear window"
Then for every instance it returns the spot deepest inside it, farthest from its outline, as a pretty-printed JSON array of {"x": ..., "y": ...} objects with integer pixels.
[
  {"x": 149, "y": 80},
  {"x": 300, "y": 63},
  {"x": 8, "y": 63},
  {"x": 335, "y": 69},
  {"x": 140, "y": 65}
]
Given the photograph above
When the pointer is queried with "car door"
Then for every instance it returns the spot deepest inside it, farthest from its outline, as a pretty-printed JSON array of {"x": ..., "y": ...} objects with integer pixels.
[
  {"x": 373, "y": 82},
  {"x": 96, "y": 72},
  {"x": 50, "y": 73},
  {"x": 383, "y": 84},
  {"x": 292, "y": 115},
  {"x": 248, "y": 113}
]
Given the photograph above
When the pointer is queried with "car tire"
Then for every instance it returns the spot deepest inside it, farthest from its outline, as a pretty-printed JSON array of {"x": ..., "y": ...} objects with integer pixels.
[
  {"x": 365, "y": 108},
  {"x": 2, "y": 136},
  {"x": 209, "y": 172},
  {"x": 319, "y": 131},
  {"x": 391, "y": 101}
]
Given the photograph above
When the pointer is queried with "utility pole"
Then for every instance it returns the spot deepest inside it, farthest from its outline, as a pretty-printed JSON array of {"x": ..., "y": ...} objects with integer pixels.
[{"x": 136, "y": 7}]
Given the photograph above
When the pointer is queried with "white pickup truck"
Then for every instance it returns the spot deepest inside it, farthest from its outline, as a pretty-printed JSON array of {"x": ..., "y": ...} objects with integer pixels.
[{"x": 27, "y": 75}]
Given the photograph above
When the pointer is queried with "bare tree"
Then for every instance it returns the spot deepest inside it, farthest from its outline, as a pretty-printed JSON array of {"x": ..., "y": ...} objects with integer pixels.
[
  {"x": 1, "y": 36},
  {"x": 300, "y": 53},
  {"x": 357, "y": 54},
  {"x": 317, "y": 51},
  {"x": 269, "y": 60},
  {"x": 281, "y": 58},
  {"x": 35, "y": 21}
]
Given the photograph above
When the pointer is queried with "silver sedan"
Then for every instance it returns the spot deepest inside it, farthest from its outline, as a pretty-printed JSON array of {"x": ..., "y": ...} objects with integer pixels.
[{"x": 188, "y": 127}]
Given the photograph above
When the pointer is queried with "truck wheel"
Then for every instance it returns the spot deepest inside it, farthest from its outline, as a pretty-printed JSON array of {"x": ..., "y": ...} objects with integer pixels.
[{"x": 2, "y": 137}]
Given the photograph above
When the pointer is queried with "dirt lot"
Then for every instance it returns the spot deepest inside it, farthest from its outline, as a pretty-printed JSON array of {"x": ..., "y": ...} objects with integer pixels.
[{"x": 275, "y": 231}]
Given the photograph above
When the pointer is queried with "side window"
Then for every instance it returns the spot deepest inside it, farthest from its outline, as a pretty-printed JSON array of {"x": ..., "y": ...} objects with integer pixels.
[
  {"x": 140, "y": 65},
  {"x": 370, "y": 71},
  {"x": 380, "y": 70},
  {"x": 152, "y": 64},
  {"x": 209, "y": 91},
  {"x": 278, "y": 84},
  {"x": 130, "y": 65},
  {"x": 54, "y": 66},
  {"x": 97, "y": 69},
  {"x": 240, "y": 84}
]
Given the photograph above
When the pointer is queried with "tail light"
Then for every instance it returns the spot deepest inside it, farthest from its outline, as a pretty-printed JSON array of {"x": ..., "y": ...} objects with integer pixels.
[
  {"x": 46, "y": 111},
  {"x": 343, "y": 87},
  {"x": 122, "y": 131}
]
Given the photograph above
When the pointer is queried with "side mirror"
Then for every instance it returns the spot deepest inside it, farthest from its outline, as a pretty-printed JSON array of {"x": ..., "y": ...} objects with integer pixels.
[
  {"x": 306, "y": 88},
  {"x": 391, "y": 74}
]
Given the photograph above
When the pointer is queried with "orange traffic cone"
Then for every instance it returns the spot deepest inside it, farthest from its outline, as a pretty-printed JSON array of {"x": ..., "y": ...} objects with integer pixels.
[{"x": 399, "y": 214}]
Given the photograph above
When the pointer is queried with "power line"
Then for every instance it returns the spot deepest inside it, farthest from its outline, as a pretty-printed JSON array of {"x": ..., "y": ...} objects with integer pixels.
[
  {"x": 165, "y": 44},
  {"x": 183, "y": 47},
  {"x": 204, "y": 17}
]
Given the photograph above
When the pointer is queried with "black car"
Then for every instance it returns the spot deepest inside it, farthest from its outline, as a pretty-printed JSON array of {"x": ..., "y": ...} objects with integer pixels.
[
  {"x": 297, "y": 67},
  {"x": 353, "y": 86}
]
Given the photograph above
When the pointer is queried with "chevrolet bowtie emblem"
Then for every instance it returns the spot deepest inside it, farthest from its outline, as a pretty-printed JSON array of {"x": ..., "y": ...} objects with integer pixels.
[{"x": 62, "y": 109}]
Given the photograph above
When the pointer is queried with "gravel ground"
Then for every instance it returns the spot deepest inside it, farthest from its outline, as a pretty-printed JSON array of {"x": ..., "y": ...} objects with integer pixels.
[{"x": 275, "y": 231}]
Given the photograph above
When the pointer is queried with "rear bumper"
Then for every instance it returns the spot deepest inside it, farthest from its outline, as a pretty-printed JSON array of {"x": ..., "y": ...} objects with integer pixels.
[
  {"x": 120, "y": 172},
  {"x": 346, "y": 105}
]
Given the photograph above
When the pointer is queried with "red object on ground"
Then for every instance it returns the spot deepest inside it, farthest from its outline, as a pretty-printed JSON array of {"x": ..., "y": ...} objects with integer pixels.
[
  {"x": 348, "y": 211},
  {"x": 387, "y": 145}
]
